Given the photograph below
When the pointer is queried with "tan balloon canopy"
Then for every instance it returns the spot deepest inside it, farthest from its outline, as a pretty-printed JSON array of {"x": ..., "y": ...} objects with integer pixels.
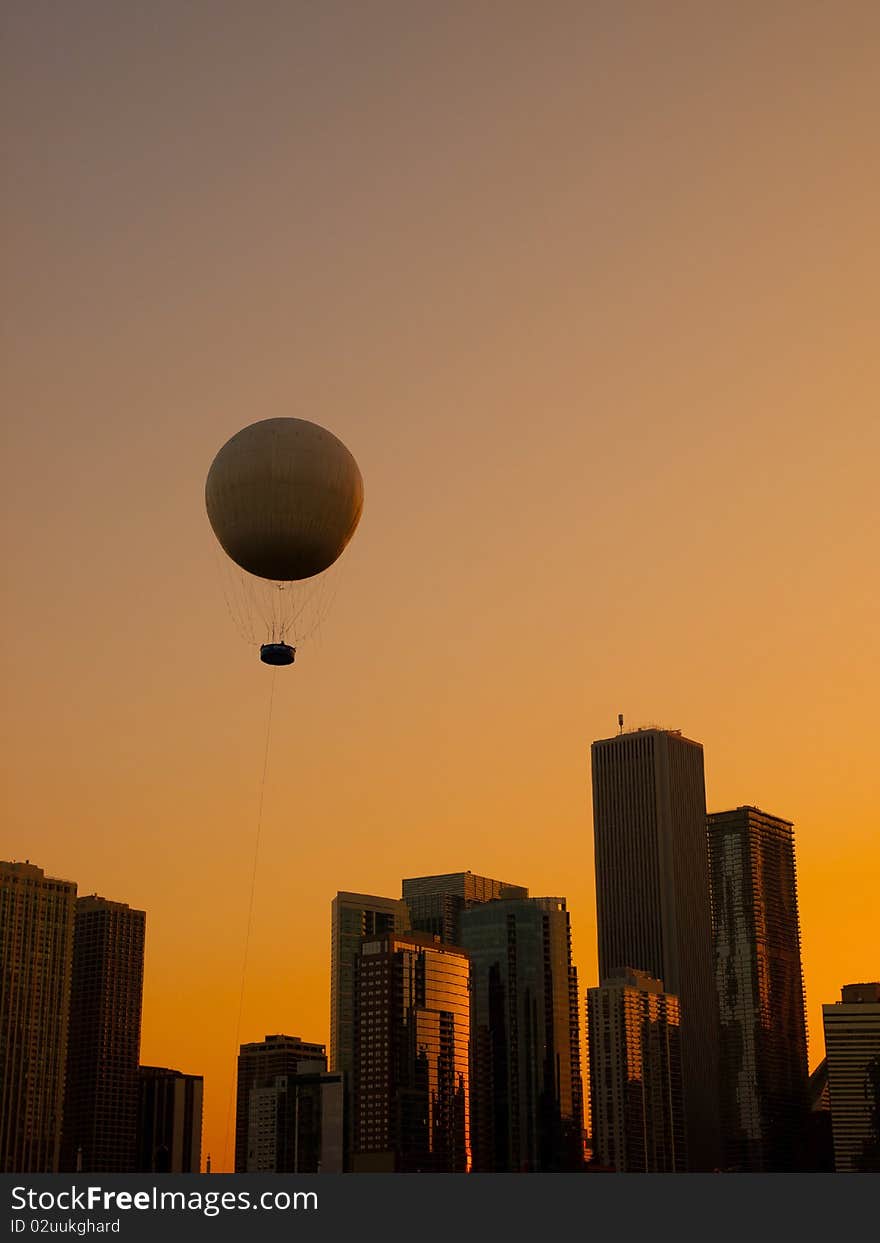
[{"x": 284, "y": 497}]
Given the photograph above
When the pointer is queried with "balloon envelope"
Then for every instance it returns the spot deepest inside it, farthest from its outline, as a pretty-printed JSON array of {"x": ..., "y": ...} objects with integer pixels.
[{"x": 284, "y": 497}]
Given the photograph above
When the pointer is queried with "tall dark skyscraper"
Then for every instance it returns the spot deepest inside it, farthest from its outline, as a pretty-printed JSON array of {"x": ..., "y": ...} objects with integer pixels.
[
  {"x": 101, "y": 1094},
  {"x": 259, "y": 1066},
  {"x": 411, "y": 1057},
  {"x": 763, "y": 1028},
  {"x": 436, "y": 902},
  {"x": 169, "y": 1133},
  {"x": 527, "y": 1092},
  {"x": 637, "y": 1105},
  {"x": 652, "y": 898},
  {"x": 36, "y": 948}
]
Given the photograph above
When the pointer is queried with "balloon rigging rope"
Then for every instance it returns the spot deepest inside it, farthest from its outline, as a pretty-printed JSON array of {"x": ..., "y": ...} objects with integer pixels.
[{"x": 250, "y": 915}]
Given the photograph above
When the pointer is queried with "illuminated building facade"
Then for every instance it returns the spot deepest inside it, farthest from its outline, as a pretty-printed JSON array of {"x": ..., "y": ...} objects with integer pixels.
[
  {"x": 636, "y": 1099},
  {"x": 411, "y": 1056}
]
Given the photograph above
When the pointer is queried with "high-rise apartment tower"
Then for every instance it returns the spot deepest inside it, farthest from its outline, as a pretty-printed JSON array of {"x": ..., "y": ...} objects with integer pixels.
[
  {"x": 99, "y": 1134},
  {"x": 636, "y": 1100},
  {"x": 36, "y": 947},
  {"x": 354, "y": 916},
  {"x": 763, "y": 1028}
]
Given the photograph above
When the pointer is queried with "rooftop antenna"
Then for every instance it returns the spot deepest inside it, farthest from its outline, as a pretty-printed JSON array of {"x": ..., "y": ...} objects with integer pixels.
[{"x": 620, "y": 721}]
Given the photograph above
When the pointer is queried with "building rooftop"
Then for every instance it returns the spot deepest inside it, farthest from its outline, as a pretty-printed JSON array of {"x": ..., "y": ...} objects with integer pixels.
[
  {"x": 860, "y": 994},
  {"x": 31, "y": 871},
  {"x": 646, "y": 729},
  {"x": 282, "y": 1039},
  {"x": 629, "y": 977},
  {"x": 421, "y": 940},
  {"x": 371, "y": 899},
  {"x": 757, "y": 811},
  {"x": 165, "y": 1072},
  {"x": 94, "y": 902}
]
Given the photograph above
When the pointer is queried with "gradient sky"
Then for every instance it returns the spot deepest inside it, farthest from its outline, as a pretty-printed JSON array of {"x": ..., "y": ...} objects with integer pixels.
[{"x": 591, "y": 292}]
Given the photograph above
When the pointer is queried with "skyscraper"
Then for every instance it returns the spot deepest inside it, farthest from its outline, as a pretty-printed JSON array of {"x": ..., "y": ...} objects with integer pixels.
[
  {"x": 259, "y": 1066},
  {"x": 36, "y": 947},
  {"x": 764, "y": 1071},
  {"x": 526, "y": 1088},
  {"x": 636, "y": 1100},
  {"x": 169, "y": 1132},
  {"x": 411, "y": 1047},
  {"x": 652, "y": 898},
  {"x": 101, "y": 1090},
  {"x": 436, "y": 902},
  {"x": 852, "y": 1046},
  {"x": 353, "y": 917}
]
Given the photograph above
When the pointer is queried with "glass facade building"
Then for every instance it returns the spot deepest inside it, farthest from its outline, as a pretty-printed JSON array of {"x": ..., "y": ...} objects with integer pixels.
[
  {"x": 636, "y": 1099},
  {"x": 763, "y": 1028},
  {"x": 411, "y": 1057},
  {"x": 36, "y": 948},
  {"x": 526, "y": 1088}
]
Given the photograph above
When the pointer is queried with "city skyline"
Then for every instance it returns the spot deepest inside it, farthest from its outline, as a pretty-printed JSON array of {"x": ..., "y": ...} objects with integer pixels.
[
  {"x": 591, "y": 301},
  {"x": 775, "y": 898}
]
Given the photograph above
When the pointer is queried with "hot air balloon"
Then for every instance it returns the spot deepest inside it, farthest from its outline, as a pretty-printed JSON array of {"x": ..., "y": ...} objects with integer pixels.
[{"x": 284, "y": 497}]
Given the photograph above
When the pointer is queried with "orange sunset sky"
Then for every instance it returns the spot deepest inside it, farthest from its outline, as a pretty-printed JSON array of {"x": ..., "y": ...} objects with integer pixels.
[{"x": 591, "y": 292}]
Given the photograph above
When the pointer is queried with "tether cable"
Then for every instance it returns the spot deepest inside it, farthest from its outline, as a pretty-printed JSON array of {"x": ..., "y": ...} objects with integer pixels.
[{"x": 250, "y": 915}]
